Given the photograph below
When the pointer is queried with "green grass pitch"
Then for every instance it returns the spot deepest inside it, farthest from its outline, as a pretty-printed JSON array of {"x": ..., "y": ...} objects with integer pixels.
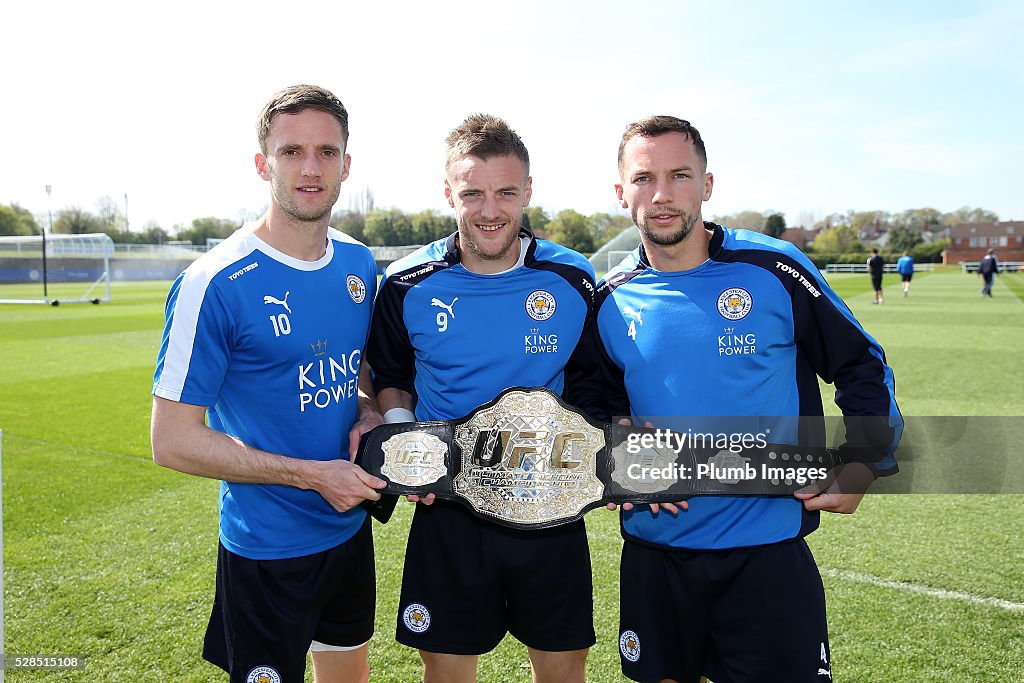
[{"x": 110, "y": 557}]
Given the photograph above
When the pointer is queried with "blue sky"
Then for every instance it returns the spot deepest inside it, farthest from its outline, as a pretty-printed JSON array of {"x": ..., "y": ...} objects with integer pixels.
[{"x": 806, "y": 108}]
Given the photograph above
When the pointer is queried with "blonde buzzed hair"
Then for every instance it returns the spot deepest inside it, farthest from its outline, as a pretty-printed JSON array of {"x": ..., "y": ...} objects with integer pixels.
[{"x": 485, "y": 136}]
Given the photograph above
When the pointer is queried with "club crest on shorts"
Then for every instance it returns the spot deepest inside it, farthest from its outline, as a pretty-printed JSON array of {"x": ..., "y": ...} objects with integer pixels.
[
  {"x": 356, "y": 288},
  {"x": 540, "y": 305},
  {"x": 629, "y": 645},
  {"x": 263, "y": 674},
  {"x": 416, "y": 618},
  {"x": 735, "y": 303}
]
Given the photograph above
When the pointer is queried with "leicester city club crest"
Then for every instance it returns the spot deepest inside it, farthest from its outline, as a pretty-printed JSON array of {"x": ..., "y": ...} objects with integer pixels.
[
  {"x": 263, "y": 674},
  {"x": 629, "y": 645},
  {"x": 416, "y": 618},
  {"x": 540, "y": 305},
  {"x": 735, "y": 303},
  {"x": 356, "y": 288}
]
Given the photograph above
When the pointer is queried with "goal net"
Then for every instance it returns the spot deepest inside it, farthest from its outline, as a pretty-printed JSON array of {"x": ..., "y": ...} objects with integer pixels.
[{"x": 71, "y": 269}]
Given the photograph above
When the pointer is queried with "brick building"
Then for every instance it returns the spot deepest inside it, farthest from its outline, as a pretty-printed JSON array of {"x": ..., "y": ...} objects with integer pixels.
[{"x": 970, "y": 241}]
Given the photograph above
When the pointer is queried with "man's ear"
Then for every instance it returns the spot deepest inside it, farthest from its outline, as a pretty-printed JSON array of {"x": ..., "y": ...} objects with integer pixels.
[
  {"x": 448, "y": 193},
  {"x": 618, "y": 194},
  {"x": 261, "y": 166}
]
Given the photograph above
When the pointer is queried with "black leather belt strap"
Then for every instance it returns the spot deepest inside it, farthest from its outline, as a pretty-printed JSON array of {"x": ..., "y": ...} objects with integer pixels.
[{"x": 528, "y": 460}]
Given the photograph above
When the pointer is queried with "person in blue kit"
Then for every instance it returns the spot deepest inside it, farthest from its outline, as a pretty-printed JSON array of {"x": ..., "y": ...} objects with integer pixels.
[
  {"x": 703, "y": 320},
  {"x": 905, "y": 267},
  {"x": 456, "y": 323},
  {"x": 264, "y": 337}
]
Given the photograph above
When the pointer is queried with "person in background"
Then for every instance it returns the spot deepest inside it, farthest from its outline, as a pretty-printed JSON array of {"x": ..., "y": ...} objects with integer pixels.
[
  {"x": 988, "y": 269},
  {"x": 876, "y": 266},
  {"x": 905, "y": 267}
]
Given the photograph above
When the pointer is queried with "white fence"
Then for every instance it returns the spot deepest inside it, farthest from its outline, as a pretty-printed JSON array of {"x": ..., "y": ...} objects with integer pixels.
[
  {"x": 1004, "y": 266},
  {"x": 863, "y": 267}
]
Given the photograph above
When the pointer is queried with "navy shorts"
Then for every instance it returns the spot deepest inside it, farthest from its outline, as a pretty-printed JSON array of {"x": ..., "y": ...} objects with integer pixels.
[
  {"x": 747, "y": 614},
  {"x": 876, "y": 282},
  {"x": 468, "y": 581},
  {"x": 266, "y": 612},
  {"x": 906, "y": 276}
]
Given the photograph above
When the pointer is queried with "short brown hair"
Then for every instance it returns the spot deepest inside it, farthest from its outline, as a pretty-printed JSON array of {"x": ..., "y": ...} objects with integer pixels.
[
  {"x": 298, "y": 98},
  {"x": 485, "y": 136},
  {"x": 653, "y": 126}
]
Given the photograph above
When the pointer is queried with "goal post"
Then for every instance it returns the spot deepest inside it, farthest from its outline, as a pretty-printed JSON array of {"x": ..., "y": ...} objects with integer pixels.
[
  {"x": 55, "y": 269},
  {"x": 615, "y": 257}
]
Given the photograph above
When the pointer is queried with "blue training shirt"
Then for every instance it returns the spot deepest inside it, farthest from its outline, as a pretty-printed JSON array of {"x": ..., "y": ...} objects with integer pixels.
[
  {"x": 747, "y": 333},
  {"x": 271, "y": 345},
  {"x": 905, "y": 265},
  {"x": 455, "y": 339}
]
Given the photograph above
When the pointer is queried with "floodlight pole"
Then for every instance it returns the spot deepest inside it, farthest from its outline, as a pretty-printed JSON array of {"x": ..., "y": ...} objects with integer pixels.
[{"x": 49, "y": 210}]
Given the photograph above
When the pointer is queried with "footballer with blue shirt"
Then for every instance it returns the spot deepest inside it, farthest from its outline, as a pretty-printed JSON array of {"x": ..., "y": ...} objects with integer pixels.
[
  {"x": 455, "y": 324},
  {"x": 264, "y": 339},
  {"x": 711, "y": 328}
]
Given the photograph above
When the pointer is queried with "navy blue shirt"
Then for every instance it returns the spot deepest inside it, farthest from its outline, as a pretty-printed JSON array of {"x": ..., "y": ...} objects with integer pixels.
[
  {"x": 455, "y": 339},
  {"x": 747, "y": 333}
]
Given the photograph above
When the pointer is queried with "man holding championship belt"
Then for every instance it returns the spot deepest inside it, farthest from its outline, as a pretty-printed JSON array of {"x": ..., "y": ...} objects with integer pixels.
[
  {"x": 703, "y": 320},
  {"x": 455, "y": 324}
]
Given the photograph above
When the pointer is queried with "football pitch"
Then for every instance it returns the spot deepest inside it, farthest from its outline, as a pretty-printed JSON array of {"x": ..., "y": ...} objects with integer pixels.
[{"x": 109, "y": 557}]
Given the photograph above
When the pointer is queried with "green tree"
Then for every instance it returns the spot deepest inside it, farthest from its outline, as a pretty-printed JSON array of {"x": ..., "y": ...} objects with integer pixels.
[
  {"x": 75, "y": 220},
  {"x": 208, "y": 227},
  {"x": 152, "y": 233},
  {"x": 840, "y": 240},
  {"x": 966, "y": 214},
  {"x": 747, "y": 220},
  {"x": 535, "y": 219},
  {"x": 352, "y": 223},
  {"x": 388, "y": 227},
  {"x": 918, "y": 219},
  {"x": 608, "y": 225},
  {"x": 865, "y": 222},
  {"x": 903, "y": 238},
  {"x": 572, "y": 229},
  {"x": 775, "y": 225},
  {"x": 832, "y": 220},
  {"x": 15, "y": 220},
  {"x": 430, "y": 225}
]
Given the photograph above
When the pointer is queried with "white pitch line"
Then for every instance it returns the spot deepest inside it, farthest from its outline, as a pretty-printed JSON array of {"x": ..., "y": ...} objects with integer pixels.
[{"x": 922, "y": 590}]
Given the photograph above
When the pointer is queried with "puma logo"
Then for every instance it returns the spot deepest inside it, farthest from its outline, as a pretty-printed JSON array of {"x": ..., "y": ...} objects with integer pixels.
[
  {"x": 636, "y": 314},
  {"x": 448, "y": 307},
  {"x": 271, "y": 300}
]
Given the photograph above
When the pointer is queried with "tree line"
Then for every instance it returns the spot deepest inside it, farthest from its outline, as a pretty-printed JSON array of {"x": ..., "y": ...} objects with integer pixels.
[
  {"x": 840, "y": 234},
  {"x": 375, "y": 227}
]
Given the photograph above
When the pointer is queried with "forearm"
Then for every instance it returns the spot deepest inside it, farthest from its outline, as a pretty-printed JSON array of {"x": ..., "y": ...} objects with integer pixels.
[
  {"x": 184, "y": 443},
  {"x": 394, "y": 398},
  {"x": 368, "y": 403}
]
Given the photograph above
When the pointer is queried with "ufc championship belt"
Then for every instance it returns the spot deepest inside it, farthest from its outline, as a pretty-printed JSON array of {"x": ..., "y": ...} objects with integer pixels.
[{"x": 528, "y": 460}]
